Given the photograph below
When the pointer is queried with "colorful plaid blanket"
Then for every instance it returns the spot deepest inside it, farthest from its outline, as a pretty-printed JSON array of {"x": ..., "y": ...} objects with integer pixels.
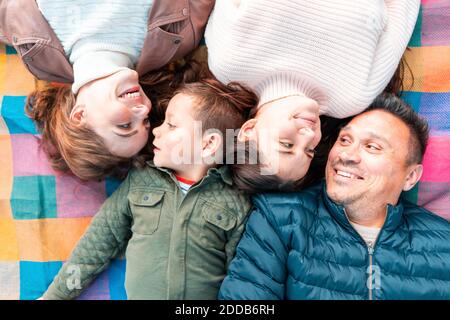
[{"x": 44, "y": 213}]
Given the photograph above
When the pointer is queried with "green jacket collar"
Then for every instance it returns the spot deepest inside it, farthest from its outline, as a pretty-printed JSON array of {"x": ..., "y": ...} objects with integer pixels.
[{"x": 223, "y": 173}]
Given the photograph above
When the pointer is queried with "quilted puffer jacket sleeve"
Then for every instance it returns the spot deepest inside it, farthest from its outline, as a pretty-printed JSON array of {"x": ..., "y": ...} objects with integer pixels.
[
  {"x": 258, "y": 270},
  {"x": 105, "y": 238}
]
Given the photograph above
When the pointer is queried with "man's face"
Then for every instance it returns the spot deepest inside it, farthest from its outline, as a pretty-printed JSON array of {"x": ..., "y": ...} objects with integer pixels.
[{"x": 368, "y": 162}]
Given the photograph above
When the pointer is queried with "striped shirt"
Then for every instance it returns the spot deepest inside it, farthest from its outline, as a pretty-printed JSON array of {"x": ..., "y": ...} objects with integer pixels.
[{"x": 184, "y": 184}]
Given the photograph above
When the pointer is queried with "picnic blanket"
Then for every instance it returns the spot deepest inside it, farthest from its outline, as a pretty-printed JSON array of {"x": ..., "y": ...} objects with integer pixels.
[{"x": 43, "y": 213}]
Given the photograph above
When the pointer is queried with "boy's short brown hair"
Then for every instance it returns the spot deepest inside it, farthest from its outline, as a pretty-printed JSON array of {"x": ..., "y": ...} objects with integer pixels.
[{"x": 219, "y": 106}]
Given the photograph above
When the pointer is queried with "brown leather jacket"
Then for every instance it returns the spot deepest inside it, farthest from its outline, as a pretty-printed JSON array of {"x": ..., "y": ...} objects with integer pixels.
[{"x": 175, "y": 27}]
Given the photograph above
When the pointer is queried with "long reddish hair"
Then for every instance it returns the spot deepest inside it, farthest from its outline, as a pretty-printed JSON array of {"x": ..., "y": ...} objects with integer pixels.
[{"x": 70, "y": 147}]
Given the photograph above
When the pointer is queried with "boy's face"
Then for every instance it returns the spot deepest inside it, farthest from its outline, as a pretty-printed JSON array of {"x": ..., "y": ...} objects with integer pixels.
[{"x": 177, "y": 143}]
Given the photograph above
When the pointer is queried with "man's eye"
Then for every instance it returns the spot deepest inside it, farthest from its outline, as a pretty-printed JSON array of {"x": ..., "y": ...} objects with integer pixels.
[
  {"x": 373, "y": 147},
  {"x": 124, "y": 126},
  {"x": 287, "y": 145},
  {"x": 344, "y": 140}
]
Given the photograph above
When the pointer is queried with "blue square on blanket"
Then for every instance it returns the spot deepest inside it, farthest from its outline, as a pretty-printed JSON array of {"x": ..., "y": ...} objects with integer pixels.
[
  {"x": 35, "y": 277},
  {"x": 116, "y": 273},
  {"x": 413, "y": 99},
  {"x": 10, "y": 50},
  {"x": 111, "y": 185},
  {"x": 416, "y": 37},
  {"x": 12, "y": 111},
  {"x": 33, "y": 197}
]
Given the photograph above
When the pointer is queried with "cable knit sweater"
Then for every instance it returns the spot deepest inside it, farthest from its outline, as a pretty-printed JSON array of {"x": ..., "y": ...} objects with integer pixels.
[
  {"x": 99, "y": 37},
  {"x": 341, "y": 53}
]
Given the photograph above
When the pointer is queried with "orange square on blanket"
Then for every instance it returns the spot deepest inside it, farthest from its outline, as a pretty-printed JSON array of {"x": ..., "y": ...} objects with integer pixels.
[
  {"x": 49, "y": 239},
  {"x": 17, "y": 81},
  {"x": 8, "y": 241},
  {"x": 436, "y": 74},
  {"x": 6, "y": 172},
  {"x": 414, "y": 75},
  {"x": 2, "y": 69},
  {"x": 430, "y": 67}
]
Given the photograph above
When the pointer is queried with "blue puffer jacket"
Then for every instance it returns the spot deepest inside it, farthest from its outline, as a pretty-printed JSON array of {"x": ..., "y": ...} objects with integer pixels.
[{"x": 302, "y": 246}]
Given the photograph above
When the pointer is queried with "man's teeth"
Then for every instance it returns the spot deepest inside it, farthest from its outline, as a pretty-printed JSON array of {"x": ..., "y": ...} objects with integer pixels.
[
  {"x": 131, "y": 95},
  {"x": 347, "y": 174}
]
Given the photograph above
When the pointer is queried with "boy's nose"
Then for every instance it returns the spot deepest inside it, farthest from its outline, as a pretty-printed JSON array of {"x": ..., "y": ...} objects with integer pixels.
[{"x": 155, "y": 132}]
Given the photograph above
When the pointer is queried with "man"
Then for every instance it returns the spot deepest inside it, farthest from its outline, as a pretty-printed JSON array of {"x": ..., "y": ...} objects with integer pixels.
[{"x": 351, "y": 237}]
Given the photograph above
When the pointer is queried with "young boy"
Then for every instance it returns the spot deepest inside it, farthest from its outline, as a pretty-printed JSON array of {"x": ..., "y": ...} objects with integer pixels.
[{"x": 179, "y": 218}]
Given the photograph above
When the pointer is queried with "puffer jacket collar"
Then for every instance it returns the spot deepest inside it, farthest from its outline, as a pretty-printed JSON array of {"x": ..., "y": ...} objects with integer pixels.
[{"x": 393, "y": 219}]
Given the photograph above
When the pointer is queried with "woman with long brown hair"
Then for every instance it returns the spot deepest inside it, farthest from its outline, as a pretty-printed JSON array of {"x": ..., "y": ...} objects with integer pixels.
[{"x": 97, "y": 119}]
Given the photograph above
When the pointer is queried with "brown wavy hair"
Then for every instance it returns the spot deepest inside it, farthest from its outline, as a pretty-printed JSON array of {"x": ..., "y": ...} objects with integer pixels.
[
  {"x": 78, "y": 149},
  {"x": 70, "y": 147}
]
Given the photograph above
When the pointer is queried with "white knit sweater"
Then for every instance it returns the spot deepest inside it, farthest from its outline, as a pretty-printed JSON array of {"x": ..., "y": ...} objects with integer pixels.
[
  {"x": 341, "y": 53},
  {"x": 99, "y": 37}
]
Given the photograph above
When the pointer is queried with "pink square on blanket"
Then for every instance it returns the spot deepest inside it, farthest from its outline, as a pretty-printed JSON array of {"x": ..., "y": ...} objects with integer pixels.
[
  {"x": 29, "y": 159},
  {"x": 97, "y": 290},
  {"x": 76, "y": 198},
  {"x": 436, "y": 162},
  {"x": 435, "y": 196},
  {"x": 435, "y": 23}
]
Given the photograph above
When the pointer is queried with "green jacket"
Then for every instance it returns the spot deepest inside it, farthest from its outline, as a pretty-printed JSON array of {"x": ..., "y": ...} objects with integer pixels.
[{"x": 177, "y": 246}]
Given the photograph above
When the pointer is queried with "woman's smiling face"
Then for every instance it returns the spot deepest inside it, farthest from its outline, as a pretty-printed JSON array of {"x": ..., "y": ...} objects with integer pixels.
[
  {"x": 116, "y": 108},
  {"x": 286, "y": 132}
]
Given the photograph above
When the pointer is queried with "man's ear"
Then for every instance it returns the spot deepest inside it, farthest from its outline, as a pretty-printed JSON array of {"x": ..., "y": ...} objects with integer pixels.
[
  {"x": 247, "y": 131},
  {"x": 211, "y": 145},
  {"x": 78, "y": 114},
  {"x": 413, "y": 177}
]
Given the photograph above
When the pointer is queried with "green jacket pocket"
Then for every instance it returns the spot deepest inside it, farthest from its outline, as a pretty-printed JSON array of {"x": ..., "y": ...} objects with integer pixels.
[{"x": 146, "y": 209}]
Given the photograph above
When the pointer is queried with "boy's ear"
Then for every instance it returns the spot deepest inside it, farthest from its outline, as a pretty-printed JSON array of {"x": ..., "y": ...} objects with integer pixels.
[
  {"x": 211, "y": 144},
  {"x": 247, "y": 131},
  {"x": 78, "y": 114},
  {"x": 413, "y": 177}
]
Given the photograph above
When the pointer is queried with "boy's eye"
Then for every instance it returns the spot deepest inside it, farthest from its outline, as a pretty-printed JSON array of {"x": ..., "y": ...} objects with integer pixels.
[
  {"x": 124, "y": 126},
  {"x": 287, "y": 145}
]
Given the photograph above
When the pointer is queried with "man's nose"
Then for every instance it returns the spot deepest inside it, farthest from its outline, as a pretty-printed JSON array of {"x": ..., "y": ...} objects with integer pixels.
[
  {"x": 350, "y": 154},
  {"x": 140, "y": 110}
]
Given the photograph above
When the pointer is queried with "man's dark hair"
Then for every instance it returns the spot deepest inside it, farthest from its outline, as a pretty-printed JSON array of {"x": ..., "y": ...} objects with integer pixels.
[{"x": 418, "y": 127}]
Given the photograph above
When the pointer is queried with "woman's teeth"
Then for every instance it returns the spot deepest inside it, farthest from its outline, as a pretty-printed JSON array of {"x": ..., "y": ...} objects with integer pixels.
[{"x": 131, "y": 95}]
